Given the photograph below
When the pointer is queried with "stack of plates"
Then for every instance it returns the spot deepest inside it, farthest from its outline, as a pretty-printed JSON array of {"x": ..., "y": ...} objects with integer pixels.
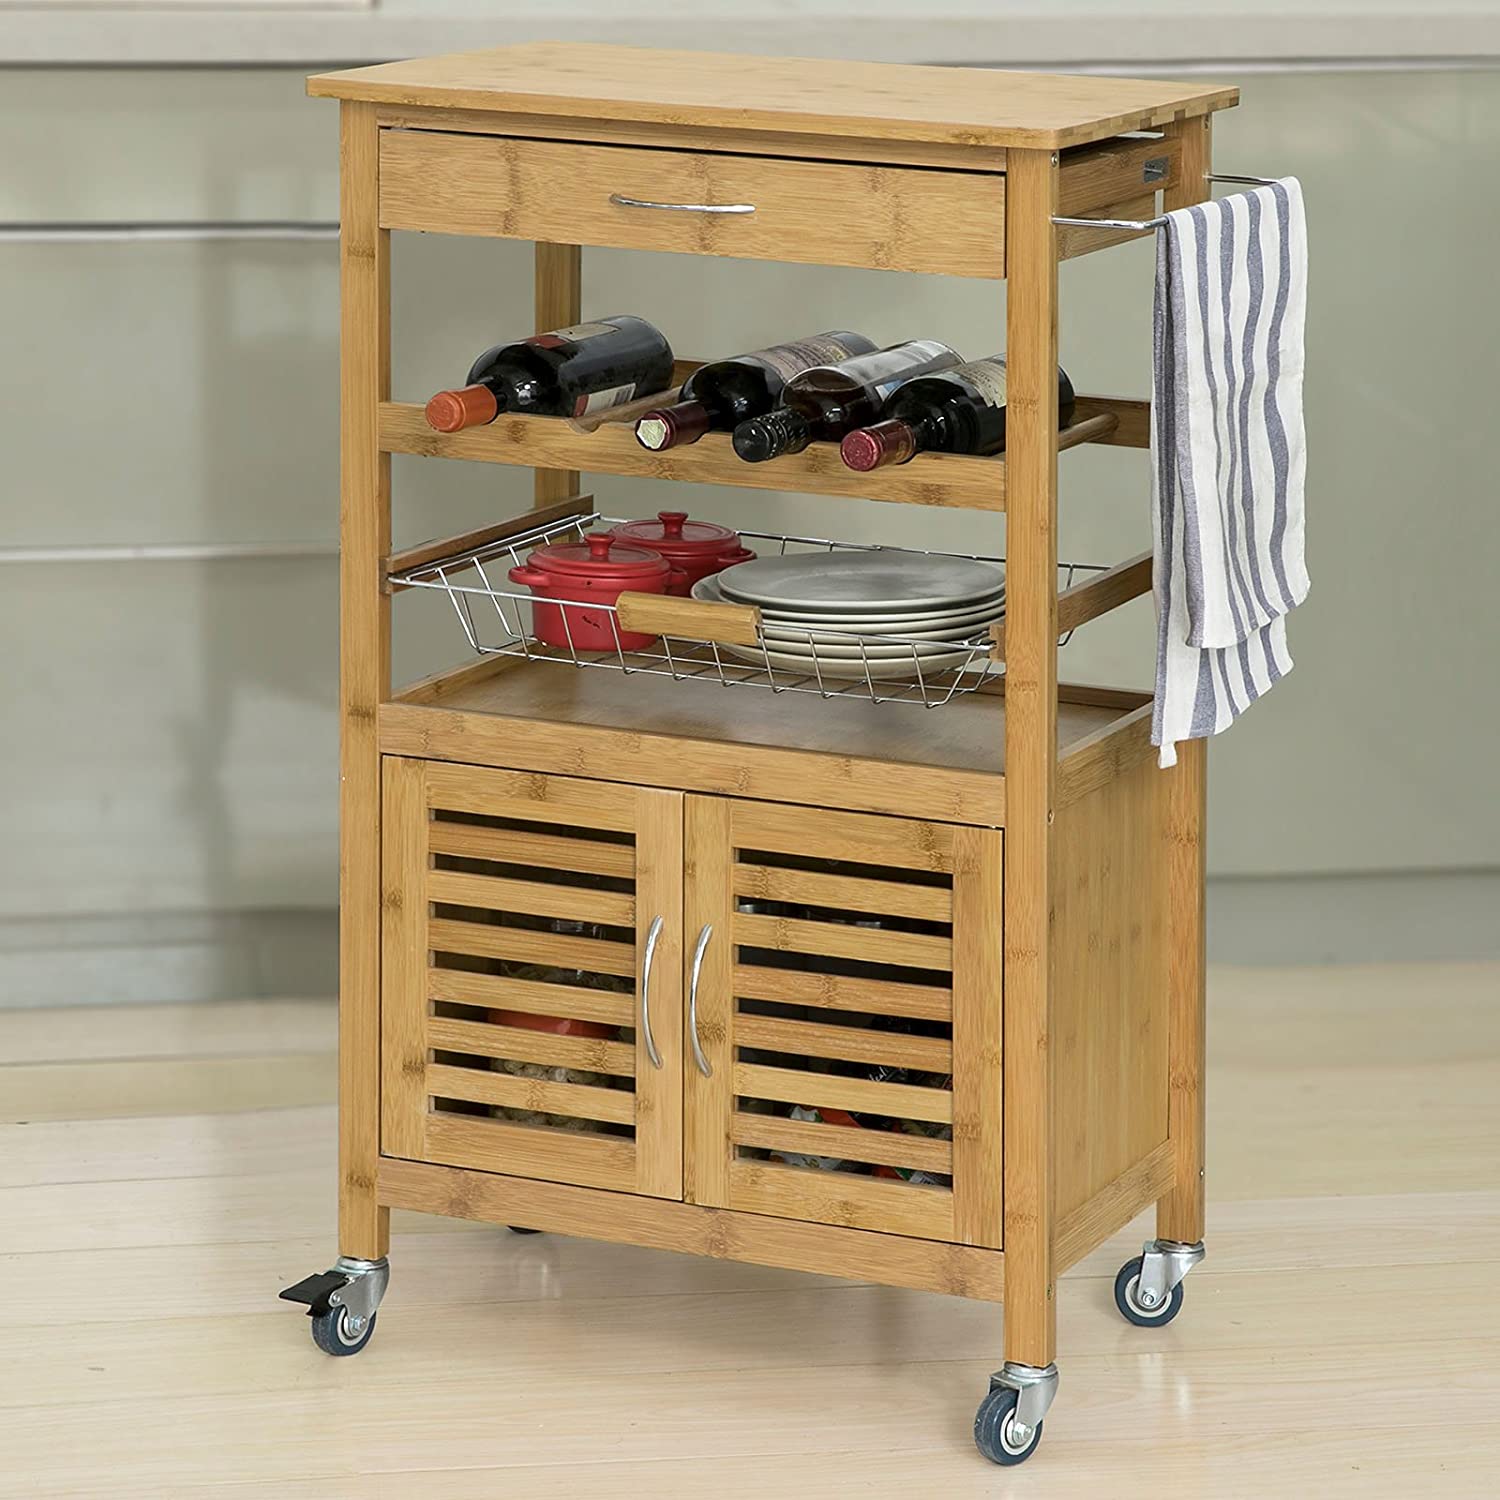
[{"x": 839, "y": 608}]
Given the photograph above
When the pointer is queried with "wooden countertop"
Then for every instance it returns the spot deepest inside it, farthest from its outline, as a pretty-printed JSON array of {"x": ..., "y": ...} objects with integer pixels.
[{"x": 875, "y": 101}]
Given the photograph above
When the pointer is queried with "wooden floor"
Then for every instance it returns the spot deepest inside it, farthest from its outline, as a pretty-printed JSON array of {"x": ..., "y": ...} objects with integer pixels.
[{"x": 175, "y": 1170}]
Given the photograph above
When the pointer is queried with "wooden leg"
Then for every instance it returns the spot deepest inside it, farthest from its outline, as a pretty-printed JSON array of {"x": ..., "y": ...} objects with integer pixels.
[
  {"x": 1030, "y": 752},
  {"x": 559, "y": 303},
  {"x": 1179, "y": 1216},
  {"x": 364, "y": 674}
]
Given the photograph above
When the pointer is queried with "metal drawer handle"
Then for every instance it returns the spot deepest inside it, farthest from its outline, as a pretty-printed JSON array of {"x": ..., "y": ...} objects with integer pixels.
[
  {"x": 704, "y": 1066},
  {"x": 683, "y": 208},
  {"x": 653, "y": 937}
]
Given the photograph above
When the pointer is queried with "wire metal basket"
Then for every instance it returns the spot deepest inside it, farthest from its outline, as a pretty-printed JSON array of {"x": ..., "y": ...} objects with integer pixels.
[{"x": 879, "y": 668}]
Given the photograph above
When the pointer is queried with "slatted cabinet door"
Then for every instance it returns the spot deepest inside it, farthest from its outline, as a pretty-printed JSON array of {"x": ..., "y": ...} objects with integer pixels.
[
  {"x": 844, "y": 992},
  {"x": 511, "y": 898}
]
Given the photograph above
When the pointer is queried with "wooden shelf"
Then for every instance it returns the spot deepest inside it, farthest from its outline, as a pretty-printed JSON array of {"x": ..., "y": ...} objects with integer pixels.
[
  {"x": 551, "y": 443},
  {"x": 845, "y": 752}
]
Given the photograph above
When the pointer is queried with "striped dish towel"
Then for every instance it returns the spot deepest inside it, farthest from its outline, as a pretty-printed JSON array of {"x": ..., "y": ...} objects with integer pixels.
[{"x": 1228, "y": 456}]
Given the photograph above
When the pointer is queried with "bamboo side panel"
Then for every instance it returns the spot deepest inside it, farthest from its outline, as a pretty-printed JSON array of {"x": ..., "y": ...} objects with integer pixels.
[{"x": 1110, "y": 984}]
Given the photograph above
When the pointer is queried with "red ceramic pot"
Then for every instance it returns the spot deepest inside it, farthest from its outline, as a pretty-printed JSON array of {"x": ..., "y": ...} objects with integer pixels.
[
  {"x": 695, "y": 548},
  {"x": 574, "y": 579},
  {"x": 556, "y": 1025}
]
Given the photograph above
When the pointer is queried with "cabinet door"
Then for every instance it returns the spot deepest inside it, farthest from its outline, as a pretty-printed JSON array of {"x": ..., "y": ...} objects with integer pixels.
[
  {"x": 848, "y": 1018},
  {"x": 513, "y": 902}
]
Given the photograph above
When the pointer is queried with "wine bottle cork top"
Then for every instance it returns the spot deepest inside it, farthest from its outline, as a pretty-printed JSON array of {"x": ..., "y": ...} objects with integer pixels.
[
  {"x": 861, "y": 450},
  {"x": 868, "y": 448},
  {"x": 667, "y": 426},
  {"x": 653, "y": 432},
  {"x": 472, "y": 406}
]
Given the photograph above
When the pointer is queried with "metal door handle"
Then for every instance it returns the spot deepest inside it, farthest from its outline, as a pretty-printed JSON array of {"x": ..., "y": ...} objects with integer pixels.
[
  {"x": 622, "y": 201},
  {"x": 653, "y": 937},
  {"x": 705, "y": 1067}
]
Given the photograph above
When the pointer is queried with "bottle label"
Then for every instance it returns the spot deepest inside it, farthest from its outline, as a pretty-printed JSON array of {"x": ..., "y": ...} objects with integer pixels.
[
  {"x": 577, "y": 334},
  {"x": 616, "y": 395},
  {"x": 905, "y": 362},
  {"x": 793, "y": 358},
  {"x": 987, "y": 376}
]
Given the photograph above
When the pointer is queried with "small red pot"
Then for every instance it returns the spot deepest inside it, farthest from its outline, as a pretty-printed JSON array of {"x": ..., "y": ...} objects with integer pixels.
[
  {"x": 556, "y": 1025},
  {"x": 695, "y": 548},
  {"x": 575, "y": 578}
]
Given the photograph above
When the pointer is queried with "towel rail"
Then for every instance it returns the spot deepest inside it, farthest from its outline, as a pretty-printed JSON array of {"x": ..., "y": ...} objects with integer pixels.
[{"x": 1142, "y": 225}]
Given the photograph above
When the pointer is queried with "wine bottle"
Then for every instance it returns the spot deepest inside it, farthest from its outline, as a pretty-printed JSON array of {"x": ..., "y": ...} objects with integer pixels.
[
  {"x": 570, "y": 372},
  {"x": 717, "y": 397},
  {"x": 961, "y": 410},
  {"x": 829, "y": 400}
]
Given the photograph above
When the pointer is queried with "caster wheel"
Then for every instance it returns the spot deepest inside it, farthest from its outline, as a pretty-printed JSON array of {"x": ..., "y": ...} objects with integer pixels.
[
  {"x": 1126, "y": 1299},
  {"x": 992, "y": 1429},
  {"x": 331, "y": 1334},
  {"x": 521, "y": 1229}
]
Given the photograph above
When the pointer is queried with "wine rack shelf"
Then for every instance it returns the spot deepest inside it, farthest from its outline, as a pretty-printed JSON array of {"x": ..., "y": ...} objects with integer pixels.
[
  {"x": 548, "y": 442},
  {"x": 790, "y": 977}
]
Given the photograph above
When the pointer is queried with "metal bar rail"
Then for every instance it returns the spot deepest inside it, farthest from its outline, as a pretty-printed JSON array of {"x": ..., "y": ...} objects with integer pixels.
[{"x": 1142, "y": 225}]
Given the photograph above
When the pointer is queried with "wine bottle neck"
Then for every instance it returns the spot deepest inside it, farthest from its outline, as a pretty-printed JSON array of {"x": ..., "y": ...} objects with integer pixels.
[
  {"x": 777, "y": 432},
  {"x": 667, "y": 426},
  {"x": 926, "y": 427}
]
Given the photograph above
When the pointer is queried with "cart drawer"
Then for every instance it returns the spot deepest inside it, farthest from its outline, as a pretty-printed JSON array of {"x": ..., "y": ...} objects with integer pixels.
[
  {"x": 828, "y": 213},
  {"x": 1094, "y": 180}
]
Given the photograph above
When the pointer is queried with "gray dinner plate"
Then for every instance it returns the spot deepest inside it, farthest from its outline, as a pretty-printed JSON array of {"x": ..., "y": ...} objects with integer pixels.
[
  {"x": 968, "y": 617},
  {"x": 884, "y": 582},
  {"x": 883, "y": 669},
  {"x": 834, "y": 646}
]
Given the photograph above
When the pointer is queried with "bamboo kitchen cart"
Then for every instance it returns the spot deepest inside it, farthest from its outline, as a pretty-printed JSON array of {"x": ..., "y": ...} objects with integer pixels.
[{"x": 972, "y": 884}]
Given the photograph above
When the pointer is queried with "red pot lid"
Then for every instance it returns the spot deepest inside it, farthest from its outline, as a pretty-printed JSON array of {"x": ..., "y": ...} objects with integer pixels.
[
  {"x": 600, "y": 555},
  {"x": 673, "y": 535}
]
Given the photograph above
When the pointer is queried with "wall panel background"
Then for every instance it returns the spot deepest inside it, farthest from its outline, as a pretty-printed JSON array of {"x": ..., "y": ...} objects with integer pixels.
[{"x": 168, "y": 740}]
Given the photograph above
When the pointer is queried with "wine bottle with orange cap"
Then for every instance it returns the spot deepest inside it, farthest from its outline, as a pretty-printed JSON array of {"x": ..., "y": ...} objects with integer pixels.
[{"x": 569, "y": 372}]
